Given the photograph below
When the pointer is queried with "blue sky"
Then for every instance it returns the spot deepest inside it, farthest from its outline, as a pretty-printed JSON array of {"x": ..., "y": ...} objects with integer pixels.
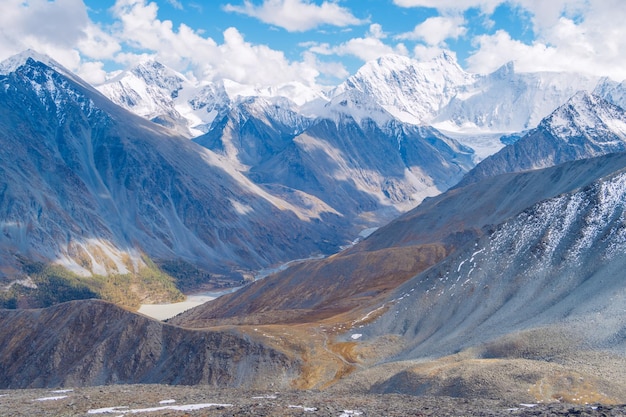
[{"x": 266, "y": 42}]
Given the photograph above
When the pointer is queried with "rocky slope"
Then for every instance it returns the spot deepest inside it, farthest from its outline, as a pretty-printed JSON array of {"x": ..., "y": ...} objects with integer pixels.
[
  {"x": 164, "y": 400},
  {"x": 555, "y": 263},
  {"x": 97, "y": 343},
  {"x": 536, "y": 300}
]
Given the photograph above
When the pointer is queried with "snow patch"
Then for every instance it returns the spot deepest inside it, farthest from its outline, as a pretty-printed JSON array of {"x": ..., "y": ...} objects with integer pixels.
[
  {"x": 167, "y": 401},
  {"x": 305, "y": 409},
  {"x": 58, "y": 397},
  {"x": 241, "y": 208},
  {"x": 126, "y": 410}
]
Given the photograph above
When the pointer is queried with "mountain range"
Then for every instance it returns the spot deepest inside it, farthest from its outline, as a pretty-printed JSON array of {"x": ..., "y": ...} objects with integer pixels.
[
  {"x": 491, "y": 276},
  {"x": 101, "y": 192},
  {"x": 436, "y": 92}
]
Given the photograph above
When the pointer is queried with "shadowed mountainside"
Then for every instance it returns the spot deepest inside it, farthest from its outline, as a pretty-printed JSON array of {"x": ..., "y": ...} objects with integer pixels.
[
  {"x": 97, "y": 343},
  {"x": 90, "y": 187}
]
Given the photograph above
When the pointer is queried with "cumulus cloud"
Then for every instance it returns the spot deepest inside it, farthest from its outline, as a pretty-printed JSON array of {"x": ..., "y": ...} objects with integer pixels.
[
  {"x": 201, "y": 57},
  {"x": 435, "y": 30},
  {"x": 297, "y": 15},
  {"x": 570, "y": 35},
  {"x": 35, "y": 24}
]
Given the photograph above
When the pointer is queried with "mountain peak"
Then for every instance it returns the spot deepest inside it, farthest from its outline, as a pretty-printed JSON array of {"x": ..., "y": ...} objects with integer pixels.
[
  {"x": 412, "y": 91},
  {"x": 585, "y": 112},
  {"x": 505, "y": 70},
  {"x": 12, "y": 63}
]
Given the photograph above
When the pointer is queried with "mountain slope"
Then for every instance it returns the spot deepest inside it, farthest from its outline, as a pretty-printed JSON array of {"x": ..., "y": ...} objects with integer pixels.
[
  {"x": 360, "y": 162},
  {"x": 91, "y": 187},
  {"x": 97, "y": 343},
  {"x": 398, "y": 251},
  {"x": 558, "y": 263},
  {"x": 584, "y": 127}
]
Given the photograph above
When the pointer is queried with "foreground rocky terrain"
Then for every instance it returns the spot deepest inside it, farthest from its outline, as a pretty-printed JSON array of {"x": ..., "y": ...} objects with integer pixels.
[{"x": 163, "y": 400}]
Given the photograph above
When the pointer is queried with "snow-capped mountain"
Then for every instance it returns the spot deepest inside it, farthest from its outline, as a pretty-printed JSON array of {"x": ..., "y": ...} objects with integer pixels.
[
  {"x": 168, "y": 98},
  {"x": 93, "y": 188},
  {"x": 12, "y": 63},
  {"x": 612, "y": 91},
  {"x": 411, "y": 91},
  {"x": 358, "y": 160},
  {"x": 474, "y": 109},
  {"x": 151, "y": 90},
  {"x": 441, "y": 93},
  {"x": 584, "y": 127},
  {"x": 508, "y": 101}
]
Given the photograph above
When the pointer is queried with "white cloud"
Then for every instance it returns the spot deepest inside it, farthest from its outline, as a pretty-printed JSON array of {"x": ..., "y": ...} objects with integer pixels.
[
  {"x": 435, "y": 30},
  {"x": 35, "y": 24},
  {"x": 97, "y": 44},
  {"x": 570, "y": 35},
  {"x": 176, "y": 4},
  {"x": 186, "y": 50},
  {"x": 137, "y": 34},
  {"x": 92, "y": 72},
  {"x": 366, "y": 48},
  {"x": 488, "y": 6},
  {"x": 332, "y": 69},
  {"x": 297, "y": 15},
  {"x": 572, "y": 50}
]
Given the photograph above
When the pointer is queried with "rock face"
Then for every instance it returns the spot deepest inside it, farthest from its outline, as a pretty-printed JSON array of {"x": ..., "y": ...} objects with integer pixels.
[{"x": 92, "y": 342}]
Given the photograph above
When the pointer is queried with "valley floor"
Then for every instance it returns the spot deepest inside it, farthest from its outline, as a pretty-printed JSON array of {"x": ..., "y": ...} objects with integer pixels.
[{"x": 163, "y": 400}]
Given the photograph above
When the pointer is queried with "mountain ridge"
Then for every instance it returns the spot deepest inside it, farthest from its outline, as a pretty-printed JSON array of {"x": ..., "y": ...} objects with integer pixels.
[{"x": 585, "y": 126}]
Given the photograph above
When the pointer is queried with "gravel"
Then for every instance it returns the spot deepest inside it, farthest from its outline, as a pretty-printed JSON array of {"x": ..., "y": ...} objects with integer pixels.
[{"x": 164, "y": 400}]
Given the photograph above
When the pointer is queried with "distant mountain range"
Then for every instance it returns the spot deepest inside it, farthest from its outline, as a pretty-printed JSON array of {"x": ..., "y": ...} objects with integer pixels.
[
  {"x": 437, "y": 92},
  {"x": 585, "y": 127}
]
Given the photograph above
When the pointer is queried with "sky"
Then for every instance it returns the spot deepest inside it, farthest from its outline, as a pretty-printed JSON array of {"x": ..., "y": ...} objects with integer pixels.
[{"x": 316, "y": 42}]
